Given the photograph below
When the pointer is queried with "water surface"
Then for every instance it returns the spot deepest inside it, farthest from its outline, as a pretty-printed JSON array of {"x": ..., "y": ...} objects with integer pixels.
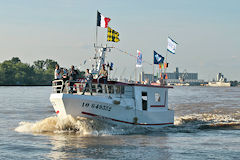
[{"x": 207, "y": 126}]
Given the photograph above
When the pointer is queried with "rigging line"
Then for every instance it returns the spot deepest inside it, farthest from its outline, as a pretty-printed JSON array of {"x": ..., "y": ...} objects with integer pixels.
[{"x": 131, "y": 55}]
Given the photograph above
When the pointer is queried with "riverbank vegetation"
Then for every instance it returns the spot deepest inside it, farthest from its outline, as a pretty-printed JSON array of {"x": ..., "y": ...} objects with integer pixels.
[{"x": 15, "y": 72}]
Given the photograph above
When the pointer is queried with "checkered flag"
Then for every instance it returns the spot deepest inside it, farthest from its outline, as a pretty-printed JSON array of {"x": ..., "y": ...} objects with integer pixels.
[{"x": 112, "y": 35}]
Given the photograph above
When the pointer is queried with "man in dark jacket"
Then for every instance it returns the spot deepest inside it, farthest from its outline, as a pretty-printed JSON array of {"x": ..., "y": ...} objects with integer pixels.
[
  {"x": 72, "y": 77},
  {"x": 72, "y": 74}
]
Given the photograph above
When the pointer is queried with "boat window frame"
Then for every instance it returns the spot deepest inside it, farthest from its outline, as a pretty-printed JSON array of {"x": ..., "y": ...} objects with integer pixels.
[
  {"x": 119, "y": 89},
  {"x": 110, "y": 89},
  {"x": 157, "y": 97}
]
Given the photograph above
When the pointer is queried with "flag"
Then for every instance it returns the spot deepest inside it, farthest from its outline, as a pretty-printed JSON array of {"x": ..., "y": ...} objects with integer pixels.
[
  {"x": 171, "y": 45},
  {"x": 139, "y": 59},
  {"x": 112, "y": 35},
  {"x": 165, "y": 65},
  {"x": 161, "y": 66},
  {"x": 157, "y": 58},
  {"x": 102, "y": 21}
]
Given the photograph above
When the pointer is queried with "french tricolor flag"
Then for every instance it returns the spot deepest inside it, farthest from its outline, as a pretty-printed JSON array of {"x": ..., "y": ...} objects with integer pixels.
[{"x": 102, "y": 21}]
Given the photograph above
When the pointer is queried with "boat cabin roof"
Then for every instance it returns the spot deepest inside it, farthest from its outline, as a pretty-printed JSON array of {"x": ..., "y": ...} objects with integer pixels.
[{"x": 135, "y": 84}]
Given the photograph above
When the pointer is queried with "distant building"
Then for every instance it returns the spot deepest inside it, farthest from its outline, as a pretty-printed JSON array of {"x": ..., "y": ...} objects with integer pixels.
[
  {"x": 175, "y": 77},
  {"x": 185, "y": 75},
  {"x": 148, "y": 77},
  {"x": 171, "y": 76}
]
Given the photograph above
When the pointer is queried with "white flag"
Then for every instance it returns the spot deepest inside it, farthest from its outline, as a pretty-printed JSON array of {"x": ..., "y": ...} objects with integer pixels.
[{"x": 171, "y": 45}]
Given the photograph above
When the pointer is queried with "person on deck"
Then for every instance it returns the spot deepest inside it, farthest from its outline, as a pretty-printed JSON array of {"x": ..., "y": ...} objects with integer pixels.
[
  {"x": 89, "y": 78},
  {"x": 65, "y": 75},
  {"x": 103, "y": 75},
  {"x": 72, "y": 77},
  {"x": 64, "y": 78},
  {"x": 61, "y": 73},
  {"x": 72, "y": 74},
  {"x": 57, "y": 72},
  {"x": 57, "y": 76}
]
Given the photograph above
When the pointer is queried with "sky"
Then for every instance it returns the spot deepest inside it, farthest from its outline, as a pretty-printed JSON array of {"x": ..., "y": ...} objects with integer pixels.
[{"x": 64, "y": 30}]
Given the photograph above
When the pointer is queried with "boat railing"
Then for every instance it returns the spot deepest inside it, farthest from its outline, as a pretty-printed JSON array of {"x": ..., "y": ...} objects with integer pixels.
[
  {"x": 57, "y": 86},
  {"x": 77, "y": 87}
]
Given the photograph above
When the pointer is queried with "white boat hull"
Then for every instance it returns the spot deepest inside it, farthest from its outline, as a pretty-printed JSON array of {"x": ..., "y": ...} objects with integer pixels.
[{"x": 104, "y": 108}]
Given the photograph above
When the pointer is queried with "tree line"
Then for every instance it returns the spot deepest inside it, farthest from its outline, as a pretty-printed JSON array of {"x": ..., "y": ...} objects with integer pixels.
[{"x": 14, "y": 72}]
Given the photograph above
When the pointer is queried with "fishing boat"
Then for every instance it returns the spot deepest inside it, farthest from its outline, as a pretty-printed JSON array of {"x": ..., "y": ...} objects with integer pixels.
[{"x": 114, "y": 102}]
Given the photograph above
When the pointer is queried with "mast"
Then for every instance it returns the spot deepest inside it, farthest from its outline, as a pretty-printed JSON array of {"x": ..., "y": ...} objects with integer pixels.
[
  {"x": 97, "y": 29},
  {"x": 165, "y": 69},
  {"x": 153, "y": 71},
  {"x": 100, "y": 60}
]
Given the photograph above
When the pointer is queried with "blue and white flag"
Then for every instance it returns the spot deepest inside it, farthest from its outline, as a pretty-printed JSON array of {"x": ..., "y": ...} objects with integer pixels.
[
  {"x": 139, "y": 59},
  {"x": 171, "y": 45},
  {"x": 157, "y": 58}
]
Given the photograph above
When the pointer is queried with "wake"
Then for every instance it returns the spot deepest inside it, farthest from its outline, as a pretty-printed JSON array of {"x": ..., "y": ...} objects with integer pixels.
[
  {"x": 208, "y": 121},
  {"x": 84, "y": 126}
]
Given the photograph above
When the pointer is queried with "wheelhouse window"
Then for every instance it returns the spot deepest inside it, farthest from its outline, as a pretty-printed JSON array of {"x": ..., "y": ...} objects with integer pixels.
[
  {"x": 122, "y": 89},
  {"x": 110, "y": 89},
  {"x": 119, "y": 89},
  {"x": 157, "y": 97},
  {"x": 144, "y": 101}
]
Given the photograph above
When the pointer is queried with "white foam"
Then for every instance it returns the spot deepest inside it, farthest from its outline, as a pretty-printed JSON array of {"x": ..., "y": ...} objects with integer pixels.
[
  {"x": 45, "y": 125},
  {"x": 82, "y": 126}
]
